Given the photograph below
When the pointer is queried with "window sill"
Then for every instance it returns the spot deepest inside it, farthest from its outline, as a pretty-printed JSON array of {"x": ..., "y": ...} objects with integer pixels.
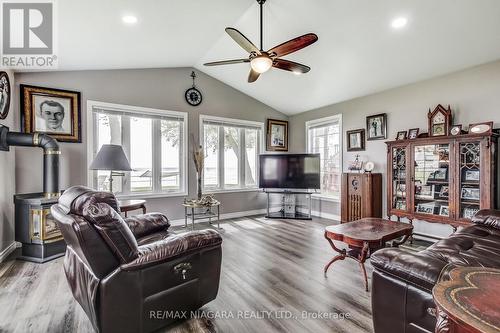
[
  {"x": 325, "y": 198},
  {"x": 232, "y": 190},
  {"x": 150, "y": 195}
]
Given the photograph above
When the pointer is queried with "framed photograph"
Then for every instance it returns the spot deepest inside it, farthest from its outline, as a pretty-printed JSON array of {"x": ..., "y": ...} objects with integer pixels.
[
  {"x": 469, "y": 213},
  {"x": 4, "y": 95},
  {"x": 426, "y": 192},
  {"x": 441, "y": 174},
  {"x": 470, "y": 193},
  {"x": 51, "y": 111},
  {"x": 400, "y": 204},
  {"x": 401, "y": 135},
  {"x": 277, "y": 135},
  {"x": 356, "y": 140},
  {"x": 445, "y": 191},
  {"x": 444, "y": 211},
  {"x": 413, "y": 133},
  {"x": 456, "y": 130},
  {"x": 427, "y": 208},
  {"x": 376, "y": 126},
  {"x": 481, "y": 128},
  {"x": 471, "y": 175}
]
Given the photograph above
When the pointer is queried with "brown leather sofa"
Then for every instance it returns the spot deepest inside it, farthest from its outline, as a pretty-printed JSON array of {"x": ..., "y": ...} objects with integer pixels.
[
  {"x": 132, "y": 275},
  {"x": 402, "y": 282}
]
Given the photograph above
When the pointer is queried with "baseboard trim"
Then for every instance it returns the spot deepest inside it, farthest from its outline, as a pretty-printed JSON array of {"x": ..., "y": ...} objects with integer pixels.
[
  {"x": 8, "y": 250},
  {"x": 225, "y": 216},
  {"x": 321, "y": 214}
]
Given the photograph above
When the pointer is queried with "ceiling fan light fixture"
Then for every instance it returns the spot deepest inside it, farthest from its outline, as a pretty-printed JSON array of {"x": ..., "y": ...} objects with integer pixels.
[{"x": 261, "y": 64}]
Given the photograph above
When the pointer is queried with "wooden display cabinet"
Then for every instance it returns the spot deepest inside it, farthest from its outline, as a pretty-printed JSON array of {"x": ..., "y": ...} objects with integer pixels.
[{"x": 442, "y": 179}]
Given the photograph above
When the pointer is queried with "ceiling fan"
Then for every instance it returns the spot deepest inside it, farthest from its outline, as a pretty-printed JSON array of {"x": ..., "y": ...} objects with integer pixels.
[{"x": 261, "y": 61}]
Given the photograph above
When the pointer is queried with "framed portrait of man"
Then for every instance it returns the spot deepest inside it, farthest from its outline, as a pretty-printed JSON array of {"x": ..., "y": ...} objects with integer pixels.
[
  {"x": 376, "y": 127},
  {"x": 277, "y": 135},
  {"x": 51, "y": 111}
]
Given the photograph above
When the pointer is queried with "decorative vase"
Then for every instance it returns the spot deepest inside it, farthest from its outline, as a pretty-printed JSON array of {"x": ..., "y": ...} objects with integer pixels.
[{"x": 199, "y": 185}]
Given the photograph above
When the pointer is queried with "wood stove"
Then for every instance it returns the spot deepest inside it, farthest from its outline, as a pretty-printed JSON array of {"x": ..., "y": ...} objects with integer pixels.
[{"x": 35, "y": 228}]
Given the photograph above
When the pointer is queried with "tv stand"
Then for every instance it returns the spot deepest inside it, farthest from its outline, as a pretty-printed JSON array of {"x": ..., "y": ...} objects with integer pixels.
[{"x": 289, "y": 208}]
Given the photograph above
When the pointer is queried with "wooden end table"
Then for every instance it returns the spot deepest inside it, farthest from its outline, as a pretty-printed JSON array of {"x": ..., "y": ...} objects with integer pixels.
[
  {"x": 468, "y": 302},
  {"x": 190, "y": 211},
  {"x": 363, "y": 238},
  {"x": 129, "y": 205}
]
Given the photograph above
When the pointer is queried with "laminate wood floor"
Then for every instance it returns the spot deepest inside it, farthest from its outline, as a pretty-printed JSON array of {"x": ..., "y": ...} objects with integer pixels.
[{"x": 272, "y": 281}]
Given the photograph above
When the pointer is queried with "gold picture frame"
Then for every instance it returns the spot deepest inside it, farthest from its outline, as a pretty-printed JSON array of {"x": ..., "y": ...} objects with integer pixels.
[{"x": 55, "y": 112}]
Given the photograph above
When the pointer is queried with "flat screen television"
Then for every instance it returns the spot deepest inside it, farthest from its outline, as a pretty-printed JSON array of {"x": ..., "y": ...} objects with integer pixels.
[{"x": 289, "y": 171}]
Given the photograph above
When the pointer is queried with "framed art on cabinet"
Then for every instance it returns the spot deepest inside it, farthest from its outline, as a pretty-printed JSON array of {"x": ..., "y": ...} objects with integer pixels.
[{"x": 51, "y": 111}]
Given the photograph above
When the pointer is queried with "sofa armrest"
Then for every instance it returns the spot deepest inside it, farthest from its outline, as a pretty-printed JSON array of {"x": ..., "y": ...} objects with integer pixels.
[
  {"x": 173, "y": 246},
  {"x": 146, "y": 224},
  {"x": 419, "y": 269},
  {"x": 487, "y": 217}
]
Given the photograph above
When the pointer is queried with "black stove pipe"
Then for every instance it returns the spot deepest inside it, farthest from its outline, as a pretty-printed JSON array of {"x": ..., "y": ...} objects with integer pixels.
[{"x": 51, "y": 154}]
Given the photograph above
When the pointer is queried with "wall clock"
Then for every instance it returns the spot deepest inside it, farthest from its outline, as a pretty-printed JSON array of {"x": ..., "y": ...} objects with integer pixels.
[
  {"x": 193, "y": 95},
  {"x": 439, "y": 121},
  {"x": 4, "y": 95}
]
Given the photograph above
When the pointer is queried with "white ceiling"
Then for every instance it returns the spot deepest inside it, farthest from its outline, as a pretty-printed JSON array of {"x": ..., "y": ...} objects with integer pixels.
[{"x": 358, "y": 52}]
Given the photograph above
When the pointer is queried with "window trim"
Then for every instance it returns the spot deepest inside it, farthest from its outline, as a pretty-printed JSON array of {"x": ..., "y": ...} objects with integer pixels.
[
  {"x": 134, "y": 110},
  {"x": 260, "y": 145},
  {"x": 324, "y": 121}
]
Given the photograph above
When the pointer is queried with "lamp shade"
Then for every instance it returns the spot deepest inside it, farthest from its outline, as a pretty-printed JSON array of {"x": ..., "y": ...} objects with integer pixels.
[{"x": 111, "y": 157}]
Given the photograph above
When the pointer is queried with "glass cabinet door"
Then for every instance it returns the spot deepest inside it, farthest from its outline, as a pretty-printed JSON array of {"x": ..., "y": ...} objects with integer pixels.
[
  {"x": 469, "y": 189},
  {"x": 431, "y": 179},
  {"x": 399, "y": 178}
]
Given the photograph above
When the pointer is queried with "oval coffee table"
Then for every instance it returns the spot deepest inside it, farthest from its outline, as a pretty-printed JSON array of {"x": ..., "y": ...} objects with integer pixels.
[{"x": 363, "y": 238}]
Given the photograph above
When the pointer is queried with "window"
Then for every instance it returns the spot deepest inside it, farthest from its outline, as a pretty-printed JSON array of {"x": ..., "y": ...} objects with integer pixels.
[
  {"x": 324, "y": 137},
  {"x": 232, "y": 148},
  {"x": 154, "y": 141}
]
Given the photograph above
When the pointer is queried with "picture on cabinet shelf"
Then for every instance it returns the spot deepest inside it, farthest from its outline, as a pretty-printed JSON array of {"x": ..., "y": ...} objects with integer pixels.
[
  {"x": 425, "y": 192},
  {"x": 439, "y": 174},
  {"x": 444, "y": 211},
  {"x": 469, "y": 213},
  {"x": 400, "y": 204},
  {"x": 469, "y": 193},
  {"x": 401, "y": 174},
  {"x": 471, "y": 175},
  {"x": 445, "y": 192},
  {"x": 426, "y": 208}
]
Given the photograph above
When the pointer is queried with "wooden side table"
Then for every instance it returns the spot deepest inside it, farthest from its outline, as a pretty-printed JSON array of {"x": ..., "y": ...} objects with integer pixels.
[
  {"x": 129, "y": 205},
  {"x": 364, "y": 237},
  {"x": 469, "y": 302}
]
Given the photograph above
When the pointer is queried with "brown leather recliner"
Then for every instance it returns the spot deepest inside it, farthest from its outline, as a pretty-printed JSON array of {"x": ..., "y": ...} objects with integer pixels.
[
  {"x": 402, "y": 282},
  {"x": 133, "y": 275}
]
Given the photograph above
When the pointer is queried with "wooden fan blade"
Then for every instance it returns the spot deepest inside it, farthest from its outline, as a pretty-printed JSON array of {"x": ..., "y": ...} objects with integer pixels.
[
  {"x": 253, "y": 76},
  {"x": 242, "y": 41},
  {"x": 226, "y": 62},
  {"x": 291, "y": 66},
  {"x": 293, "y": 45}
]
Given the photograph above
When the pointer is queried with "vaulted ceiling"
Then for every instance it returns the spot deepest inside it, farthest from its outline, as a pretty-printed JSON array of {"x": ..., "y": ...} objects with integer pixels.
[{"x": 358, "y": 51}]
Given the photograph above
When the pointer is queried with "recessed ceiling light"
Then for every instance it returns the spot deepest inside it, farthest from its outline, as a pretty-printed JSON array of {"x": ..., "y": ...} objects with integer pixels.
[
  {"x": 399, "y": 22},
  {"x": 129, "y": 19}
]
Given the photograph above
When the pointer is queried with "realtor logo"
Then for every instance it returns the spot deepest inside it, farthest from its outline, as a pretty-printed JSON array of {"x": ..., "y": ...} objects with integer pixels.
[{"x": 28, "y": 34}]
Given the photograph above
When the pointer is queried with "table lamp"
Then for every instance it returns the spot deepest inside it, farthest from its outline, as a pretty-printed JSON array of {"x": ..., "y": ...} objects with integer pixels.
[{"x": 112, "y": 158}]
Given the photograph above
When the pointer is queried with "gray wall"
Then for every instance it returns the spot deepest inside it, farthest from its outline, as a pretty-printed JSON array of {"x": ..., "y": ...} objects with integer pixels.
[
  {"x": 7, "y": 183},
  {"x": 474, "y": 95},
  {"x": 154, "y": 88}
]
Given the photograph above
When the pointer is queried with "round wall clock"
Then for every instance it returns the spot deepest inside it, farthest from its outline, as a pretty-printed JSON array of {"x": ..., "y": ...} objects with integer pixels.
[
  {"x": 193, "y": 95},
  {"x": 4, "y": 95}
]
